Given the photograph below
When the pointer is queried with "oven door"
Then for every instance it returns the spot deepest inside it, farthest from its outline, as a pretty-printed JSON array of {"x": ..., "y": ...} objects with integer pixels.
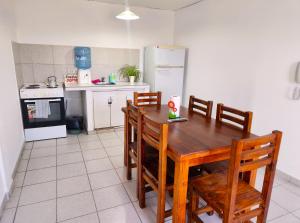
[{"x": 31, "y": 112}]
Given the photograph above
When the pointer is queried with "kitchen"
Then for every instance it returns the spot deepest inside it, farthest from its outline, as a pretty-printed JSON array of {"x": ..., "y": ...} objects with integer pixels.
[{"x": 197, "y": 50}]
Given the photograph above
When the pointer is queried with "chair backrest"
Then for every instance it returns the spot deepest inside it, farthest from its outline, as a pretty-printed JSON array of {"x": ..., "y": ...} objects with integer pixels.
[
  {"x": 132, "y": 112},
  {"x": 147, "y": 99},
  {"x": 156, "y": 135},
  {"x": 248, "y": 155},
  {"x": 234, "y": 117},
  {"x": 200, "y": 106}
]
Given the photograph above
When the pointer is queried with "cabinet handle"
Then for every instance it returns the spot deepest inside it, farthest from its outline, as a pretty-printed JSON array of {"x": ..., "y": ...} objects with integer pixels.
[{"x": 110, "y": 101}]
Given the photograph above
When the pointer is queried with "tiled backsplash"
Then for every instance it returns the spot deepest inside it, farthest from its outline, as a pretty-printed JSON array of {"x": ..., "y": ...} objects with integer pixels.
[{"x": 34, "y": 63}]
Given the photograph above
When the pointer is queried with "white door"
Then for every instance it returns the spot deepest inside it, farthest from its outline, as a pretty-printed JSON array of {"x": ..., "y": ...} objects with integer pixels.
[
  {"x": 102, "y": 109},
  {"x": 170, "y": 82},
  {"x": 119, "y": 99},
  {"x": 169, "y": 57}
]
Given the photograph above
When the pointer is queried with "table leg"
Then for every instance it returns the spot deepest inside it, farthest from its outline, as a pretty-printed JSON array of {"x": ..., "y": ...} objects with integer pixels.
[{"x": 180, "y": 191}]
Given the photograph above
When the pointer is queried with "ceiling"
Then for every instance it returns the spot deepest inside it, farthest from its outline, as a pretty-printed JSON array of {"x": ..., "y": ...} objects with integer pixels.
[{"x": 156, "y": 4}]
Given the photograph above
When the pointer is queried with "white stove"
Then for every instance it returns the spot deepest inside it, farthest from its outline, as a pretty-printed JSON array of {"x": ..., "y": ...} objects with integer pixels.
[
  {"x": 43, "y": 112},
  {"x": 40, "y": 91}
]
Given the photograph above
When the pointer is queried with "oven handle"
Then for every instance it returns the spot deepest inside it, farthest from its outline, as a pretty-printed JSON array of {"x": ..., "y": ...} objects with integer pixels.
[{"x": 33, "y": 101}]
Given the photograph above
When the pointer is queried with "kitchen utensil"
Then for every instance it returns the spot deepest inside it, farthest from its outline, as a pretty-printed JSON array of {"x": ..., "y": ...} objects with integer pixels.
[{"x": 52, "y": 82}]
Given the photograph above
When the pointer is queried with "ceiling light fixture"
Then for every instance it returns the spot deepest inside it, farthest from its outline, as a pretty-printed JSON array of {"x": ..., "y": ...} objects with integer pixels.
[{"x": 127, "y": 15}]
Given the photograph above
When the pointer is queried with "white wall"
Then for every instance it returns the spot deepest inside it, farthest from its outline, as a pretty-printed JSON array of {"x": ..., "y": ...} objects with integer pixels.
[
  {"x": 11, "y": 130},
  {"x": 81, "y": 22},
  {"x": 243, "y": 53}
]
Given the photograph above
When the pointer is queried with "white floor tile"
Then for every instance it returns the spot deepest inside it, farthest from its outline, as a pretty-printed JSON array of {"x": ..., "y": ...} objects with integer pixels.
[
  {"x": 71, "y": 170},
  {"x": 38, "y": 192},
  {"x": 68, "y": 140},
  {"x": 275, "y": 211},
  {"x": 40, "y": 176},
  {"x": 91, "y": 218},
  {"x": 104, "y": 179},
  {"x": 123, "y": 175},
  {"x": 70, "y": 148},
  {"x": 210, "y": 219},
  {"x": 286, "y": 219},
  {"x": 26, "y": 154},
  {"x": 110, "y": 197},
  {"x": 28, "y": 145},
  {"x": 98, "y": 165},
  {"x": 8, "y": 216},
  {"x": 68, "y": 158},
  {"x": 42, "y": 152},
  {"x": 117, "y": 161},
  {"x": 14, "y": 198},
  {"x": 94, "y": 154},
  {"x": 91, "y": 145},
  {"x": 75, "y": 206},
  {"x": 44, "y": 143},
  {"x": 19, "y": 178},
  {"x": 146, "y": 214},
  {"x": 111, "y": 142},
  {"x": 297, "y": 213},
  {"x": 293, "y": 188},
  {"x": 73, "y": 185},
  {"x": 34, "y": 213},
  {"x": 115, "y": 151},
  {"x": 22, "y": 166},
  {"x": 285, "y": 198},
  {"x": 107, "y": 135},
  {"x": 121, "y": 214},
  {"x": 42, "y": 162},
  {"x": 131, "y": 188},
  {"x": 88, "y": 138}
]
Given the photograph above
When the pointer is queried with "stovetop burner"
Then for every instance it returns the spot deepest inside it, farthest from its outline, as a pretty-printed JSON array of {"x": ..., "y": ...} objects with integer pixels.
[{"x": 33, "y": 86}]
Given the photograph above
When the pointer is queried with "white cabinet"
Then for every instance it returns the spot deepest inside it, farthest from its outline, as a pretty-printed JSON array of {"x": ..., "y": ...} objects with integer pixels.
[
  {"x": 101, "y": 109},
  {"x": 107, "y": 108},
  {"x": 119, "y": 99}
]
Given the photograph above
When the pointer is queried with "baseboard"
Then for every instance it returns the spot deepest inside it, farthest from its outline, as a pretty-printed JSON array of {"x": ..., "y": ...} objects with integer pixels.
[
  {"x": 288, "y": 178},
  {"x": 8, "y": 194}
]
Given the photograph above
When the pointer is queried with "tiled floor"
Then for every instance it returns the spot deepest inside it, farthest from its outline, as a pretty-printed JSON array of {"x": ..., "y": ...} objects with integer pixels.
[{"x": 81, "y": 179}]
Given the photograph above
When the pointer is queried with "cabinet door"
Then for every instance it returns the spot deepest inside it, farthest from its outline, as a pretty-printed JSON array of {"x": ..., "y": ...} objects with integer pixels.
[
  {"x": 102, "y": 109},
  {"x": 118, "y": 101}
]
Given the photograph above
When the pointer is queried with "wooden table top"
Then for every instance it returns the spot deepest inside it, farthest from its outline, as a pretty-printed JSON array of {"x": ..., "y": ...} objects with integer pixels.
[{"x": 197, "y": 137}]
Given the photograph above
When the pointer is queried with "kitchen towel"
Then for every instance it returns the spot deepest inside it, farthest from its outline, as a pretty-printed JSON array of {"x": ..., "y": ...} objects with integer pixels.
[{"x": 42, "y": 109}]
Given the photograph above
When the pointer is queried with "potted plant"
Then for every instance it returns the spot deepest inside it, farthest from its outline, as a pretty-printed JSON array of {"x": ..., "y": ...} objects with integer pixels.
[{"x": 130, "y": 72}]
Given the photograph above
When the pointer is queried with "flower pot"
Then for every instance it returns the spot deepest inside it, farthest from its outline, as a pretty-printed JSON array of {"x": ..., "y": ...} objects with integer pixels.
[{"x": 131, "y": 79}]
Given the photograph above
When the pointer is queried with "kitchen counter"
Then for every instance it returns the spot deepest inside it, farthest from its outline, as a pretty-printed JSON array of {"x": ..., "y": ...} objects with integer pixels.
[
  {"x": 108, "y": 87},
  {"x": 102, "y": 103}
]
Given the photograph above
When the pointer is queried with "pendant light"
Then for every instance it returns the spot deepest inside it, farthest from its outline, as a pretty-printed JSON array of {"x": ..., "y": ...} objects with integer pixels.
[{"x": 127, "y": 15}]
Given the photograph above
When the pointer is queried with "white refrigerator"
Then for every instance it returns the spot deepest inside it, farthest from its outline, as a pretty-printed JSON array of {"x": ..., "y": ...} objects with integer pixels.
[{"x": 164, "y": 70}]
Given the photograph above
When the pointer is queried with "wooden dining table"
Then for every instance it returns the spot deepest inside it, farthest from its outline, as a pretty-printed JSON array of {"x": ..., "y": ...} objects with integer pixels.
[{"x": 191, "y": 143}]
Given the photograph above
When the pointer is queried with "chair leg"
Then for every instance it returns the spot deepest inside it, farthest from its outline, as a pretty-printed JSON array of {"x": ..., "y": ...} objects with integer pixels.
[
  {"x": 161, "y": 205},
  {"x": 142, "y": 193},
  {"x": 129, "y": 167},
  {"x": 192, "y": 206}
]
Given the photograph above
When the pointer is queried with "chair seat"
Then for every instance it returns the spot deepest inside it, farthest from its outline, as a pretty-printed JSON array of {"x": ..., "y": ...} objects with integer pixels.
[
  {"x": 212, "y": 188},
  {"x": 217, "y": 167}
]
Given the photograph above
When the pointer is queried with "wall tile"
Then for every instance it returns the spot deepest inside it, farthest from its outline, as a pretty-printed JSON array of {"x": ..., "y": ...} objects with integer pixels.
[
  {"x": 132, "y": 57},
  {"x": 42, "y": 72},
  {"x": 26, "y": 53},
  {"x": 27, "y": 72},
  {"x": 60, "y": 71},
  {"x": 100, "y": 55},
  {"x": 117, "y": 56},
  {"x": 63, "y": 54},
  {"x": 16, "y": 52},
  {"x": 42, "y": 54},
  {"x": 19, "y": 75}
]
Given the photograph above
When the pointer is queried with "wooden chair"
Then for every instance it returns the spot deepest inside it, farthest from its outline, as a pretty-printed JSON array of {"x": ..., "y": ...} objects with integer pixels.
[
  {"x": 231, "y": 197},
  {"x": 153, "y": 171},
  {"x": 200, "y": 106},
  {"x": 147, "y": 99},
  {"x": 130, "y": 142},
  {"x": 232, "y": 117}
]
